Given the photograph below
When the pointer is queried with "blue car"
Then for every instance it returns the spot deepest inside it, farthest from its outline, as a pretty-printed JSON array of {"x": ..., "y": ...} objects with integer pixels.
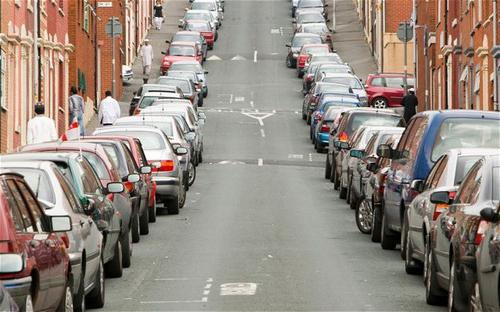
[
  {"x": 429, "y": 135},
  {"x": 341, "y": 100}
]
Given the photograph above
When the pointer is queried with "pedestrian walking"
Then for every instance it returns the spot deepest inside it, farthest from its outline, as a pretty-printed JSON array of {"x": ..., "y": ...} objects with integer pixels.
[
  {"x": 147, "y": 59},
  {"x": 158, "y": 15},
  {"x": 76, "y": 109},
  {"x": 40, "y": 128},
  {"x": 109, "y": 110},
  {"x": 409, "y": 103}
]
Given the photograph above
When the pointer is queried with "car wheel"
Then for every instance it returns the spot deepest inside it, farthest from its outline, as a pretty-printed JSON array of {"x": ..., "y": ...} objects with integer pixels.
[
  {"x": 412, "y": 266},
  {"x": 79, "y": 297},
  {"x": 182, "y": 198},
  {"x": 336, "y": 183},
  {"x": 200, "y": 101},
  {"x": 308, "y": 119},
  {"x": 388, "y": 240},
  {"x": 152, "y": 212},
  {"x": 328, "y": 168},
  {"x": 457, "y": 301},
  {"x": 95, "y": 299},
  {"x": 28, "y": 304},
  {"x": 364, "y": 216},
  {"x": 173, "y": 205},
  {"x": 200, "y": 157},
  {"x": 114, "y": 268},
  {"x": 144, "y": 222},
  {"x": 376, "y": 224},
  {"x": 348, "y": 194},
  {"x": 135, "y": 229},
  {"x": 379, "y": 102},
  {"x": 191, "y": 173},
  {"x": 66, "y": 304},
  {"x": 288, "y": 62},
  {"x": 126, "y": 249}
]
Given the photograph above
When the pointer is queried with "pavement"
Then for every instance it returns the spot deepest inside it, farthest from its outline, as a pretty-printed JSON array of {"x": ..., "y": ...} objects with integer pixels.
[{"x": 262, "y": 230}]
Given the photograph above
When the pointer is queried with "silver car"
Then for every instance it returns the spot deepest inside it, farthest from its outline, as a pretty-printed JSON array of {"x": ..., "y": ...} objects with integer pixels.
[
  {"x": 210, "y": 5},
  {"x": 57, "y": 197},
  {"x": 197, "y": 68},
  {"x": 167, "y": 171}
]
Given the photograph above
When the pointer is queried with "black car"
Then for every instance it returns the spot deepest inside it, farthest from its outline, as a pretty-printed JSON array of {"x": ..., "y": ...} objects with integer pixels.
[{"x": 299, "y": 39}]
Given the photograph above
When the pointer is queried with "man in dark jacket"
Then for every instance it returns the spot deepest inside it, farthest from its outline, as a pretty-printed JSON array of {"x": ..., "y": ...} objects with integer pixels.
[{"x": 410, "y": 103}]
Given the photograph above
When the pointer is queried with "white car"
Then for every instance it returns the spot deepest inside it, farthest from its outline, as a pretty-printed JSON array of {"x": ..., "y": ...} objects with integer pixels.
[
  {"x": 350, "y": 80},
  {"x": 127, "y": 74}
]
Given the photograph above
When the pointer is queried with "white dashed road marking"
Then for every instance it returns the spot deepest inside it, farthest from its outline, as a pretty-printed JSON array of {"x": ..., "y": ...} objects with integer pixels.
[
  {"x": 239, "y": 99},
  {"x": 262, "y": 133},
  {"x": 238, "y": 289},
  {"x": 260, "y": 162},
  {"x": 255, "y": 56}
]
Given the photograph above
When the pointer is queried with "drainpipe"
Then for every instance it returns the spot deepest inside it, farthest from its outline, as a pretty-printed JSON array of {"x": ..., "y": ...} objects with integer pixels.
[
  {"x": 36, "y": 57},
  {"x": 382, "y": 28},
  {"x": 445, "y": 80},
  {"x": 414, "y": 22},
  {"x": 495, "y": 63}
]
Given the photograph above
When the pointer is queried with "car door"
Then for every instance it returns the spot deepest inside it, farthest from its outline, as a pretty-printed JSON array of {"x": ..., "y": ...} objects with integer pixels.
[
  {"x": 140, "y": 185},
  {"x": 393, "y": 90}
]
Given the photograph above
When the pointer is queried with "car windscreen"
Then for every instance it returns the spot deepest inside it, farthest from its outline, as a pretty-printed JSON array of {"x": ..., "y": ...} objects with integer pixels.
[
  {"x": 464, "y": 163},
  {"x": 299, "y": 41},
  {"x": 181, "y": 50},
  {"x": 211, "y": 6},
  {"x": 496, "y": 183},
  {"x": 186, "y": 67},
  {"x": 186, "y": 38},
  {"x": 313, "y": 17},
  {"x": 198, "y": 27},
  {"x": 325, "y": 88},
  {"x": 164, "y": 125},
  {"x": 464, "y": 133},
  {"x": 371, "y": 119},
  {"x": 310, "y": 3},
  {"x": 149, "y": 140},
  {"x": 184, "y": 85},
  {"x": 197, "y": 16},
  {"x": 98, "y": 165},
  {"x": 183, "y": 74},
  {"x": 335, "y": 69},
  {"x": 39, "y": 183},
  {"x": 316, "y": 50},
  {"x": 315, "y": 29},
  {"x": 326, "y": 58},
  {"x": 348, "y": 81}
]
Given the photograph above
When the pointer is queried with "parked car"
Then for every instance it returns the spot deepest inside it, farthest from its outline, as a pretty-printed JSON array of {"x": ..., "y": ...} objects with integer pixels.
[
  {"x": 149, "y": 87},
  {"x": 306, "y": 51},
  {"x": 372, "y": 171},
  {"x": 192, "y": 36},
  {"x": 350, "y": 121},
  {"x": 386, "y": 90},
  {"x": 93, "y": 197},
  {"x": 210, "y": 5},
  {"x": 200, "y": 15},
  {"x": 311, "y": 6},
  {"x": 349, "y": 80},
  {"x": 32, "y": 253},
  {"x": 162, "y": 157},
  {"x": 187, "y": 87},
  {"x": 308, "y": 77},
  {"x": 325, "y": 125},
  {"x": 193, "y": 77},
  {"x": 57, "y": 197},
  {"x": 319, "y": 29},
  {"x": 449, "y": 170},
  {"x": 298, "y": 40},
  {"x": 429, "y": 135},
  {"x": 6, "y": 301},
  {"x": 180, "y": 51},
  {"x": 308, "y": 17},
  {"x": 485, "y": 296},
  {"x": 204, "y": 28},
  {"x": 148, "y": 98},
  {"x": 457, "y": 233},
  {"x": 311, "y": 100},
  {"x": 197, "y": 68}
]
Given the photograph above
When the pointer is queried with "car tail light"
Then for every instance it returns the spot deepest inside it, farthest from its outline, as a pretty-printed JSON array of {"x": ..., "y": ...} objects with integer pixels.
[
  {"x": 302, "y": 61},
  {"x": 344, "y": 137},
  {"x": 381, "y": 187},
  {"x": 309, "y": 77},
  {"x": 165, "y": 165},
  {"x": 440, "y": 208},
  {"x": 129, "y": 186},
  {"x": 325, "y": 128},
  {"x": 481, "y": 229},
  {"x": 65, "y": 239}
]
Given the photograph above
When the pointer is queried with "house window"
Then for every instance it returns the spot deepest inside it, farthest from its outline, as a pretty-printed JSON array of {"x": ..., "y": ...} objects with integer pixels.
[
  {"x": 86, "y": 15},
  {"x": 3, "y": 66},
  {"x": 477, "y": 82}
]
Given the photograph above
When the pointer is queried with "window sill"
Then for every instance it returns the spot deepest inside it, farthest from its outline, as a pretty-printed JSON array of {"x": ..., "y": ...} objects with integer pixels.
[
  {"x": 4, "y": 108},
  {"x": 54, "y": 2},
  {"x": 61, "y": 12}
]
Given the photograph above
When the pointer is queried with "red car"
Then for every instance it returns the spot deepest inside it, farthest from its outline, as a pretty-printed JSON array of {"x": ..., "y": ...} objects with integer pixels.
[
  {"x": 34, "y": 264},
  {"x": 386, "y": 90},
  {"x": 306, "y": 51},
  {"x": 204, "y": 28},
  {"x": 180, "y": 51}
]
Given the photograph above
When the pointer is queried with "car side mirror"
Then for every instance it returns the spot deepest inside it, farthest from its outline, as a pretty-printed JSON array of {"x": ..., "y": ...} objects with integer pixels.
[
  {"x": 385, "y": 151},
  {"x": 146, "y": 169},
  {"x": 357, "y": 153},
  {"x": 181, "y": 151},
  {"x": 489, "y": 215},
  {"x": 417, "y": 185},
  {"x": 133, "y": 178},
  {"x": 441, "y": 197},
  {"x": 341, "y": 144},
  {"x": 115, "y": 187},
  {"x": 11, "y": 263},
  {"x": 167, "y": 41},
  {"x": 60, "y": 223}
]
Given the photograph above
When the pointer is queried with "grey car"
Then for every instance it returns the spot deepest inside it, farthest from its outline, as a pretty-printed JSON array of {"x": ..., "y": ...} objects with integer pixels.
[
  {"x": 57, "y": 197},
  {"x": 298, "y": 40},
  {"x": 192, "y": 36},
  {"x": 160, "y": 153},
  {"x": 197, "y": 68}
]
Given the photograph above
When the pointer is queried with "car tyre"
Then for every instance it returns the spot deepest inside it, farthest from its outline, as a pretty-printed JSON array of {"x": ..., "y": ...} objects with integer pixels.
[
  {"x": 66, "y": 304},
  {"x": 172, "y": 205},
  {"x": 343, "y": 192},
  {"x": 114, "y": 268},
  {"x": 364, "y": 216},
  {"x": 379, "y": 102},
  {"x": 126, "y": 249},
  {"x": 456, "y": 298},
  {"x": 144, "y": 222},
  {"x": 95, "y": 299},
  {"x": 152, "y": 212},
  {"x": 412, "y": 266},
  {"x": 388, "y": 240},
  {"x": 79, "y": 297},
  {"x": 191, "y": 173},
  {"x": 328, "y": 168},
  {"x": 200, "y": 101},
  {"x": 200, "y": 157},
  {"x": 336, "y": 183},
  {"x": 135, "y": 228},
  {"x": 376, "y": 224}
]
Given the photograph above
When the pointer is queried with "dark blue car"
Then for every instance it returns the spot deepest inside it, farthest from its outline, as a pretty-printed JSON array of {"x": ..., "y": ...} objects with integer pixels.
[
  {"x": 341, "y": 100},
  {"x": 429, "y": 135}
]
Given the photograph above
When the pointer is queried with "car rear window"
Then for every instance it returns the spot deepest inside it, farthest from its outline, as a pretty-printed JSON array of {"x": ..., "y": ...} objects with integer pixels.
[
  {"x": 98, "y": 165},
  {"x": 314, "y": 17},
  {"x": 310, "y": 3},
  {"x": 186, "y": 67},
  {"x": 149, "y": 140},
  {"x": 186, "y": 37},
  {"x": 371, "y": 119},
  {"x": 299, "y": 41},
  {"x": 39, "y": 183},
  {"x": 197, "y": 16},
  {"x": 181, "y": 50},
  {"x": 316, "y": 28},
  {"x": 316, "y": 50},
  {"x": 466, "y": 132},
  {"x": 464, "y": 163},
  {"x": 184, "y": 85},
  {"x": 348, "y": 81},
  {"x": 198, "y": 27}
]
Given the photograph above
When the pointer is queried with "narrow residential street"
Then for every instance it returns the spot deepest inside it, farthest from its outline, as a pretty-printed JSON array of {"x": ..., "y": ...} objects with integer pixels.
[{"x": 261, "y": 229}]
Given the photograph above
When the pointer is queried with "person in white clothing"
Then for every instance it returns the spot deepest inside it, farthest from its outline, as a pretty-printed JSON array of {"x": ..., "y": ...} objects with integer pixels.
[
  {"x": 41, "y": 128},
  {"x": 109, "y": 110},
  {"x": 147, "y": 59}
]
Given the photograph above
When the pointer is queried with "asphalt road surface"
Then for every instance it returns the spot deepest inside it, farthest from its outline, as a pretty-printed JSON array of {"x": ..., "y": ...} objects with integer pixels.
[{"x": 262, "y": 229}]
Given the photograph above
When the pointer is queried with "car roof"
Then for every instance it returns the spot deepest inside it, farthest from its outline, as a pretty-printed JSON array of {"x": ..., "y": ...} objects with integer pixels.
[
  {"x": 312, "y": 45},
  {"x": 182, "y": 71},
  {"x": 183, "y": 43},
  {"x": 198, "y": 11},
  {"x": 307, "y": 35},
  {"x": 460, "y": 113},
  {"x": 128, "y": 128},
  {"x": 161, "y": 94},
  {"x": 188, "y": 32},
  {"x": 361, "y": 110},
  {"x": 63, "y": 156},
  {"x": 159, "y": 86},
  {"x": 341, "y": 75}
]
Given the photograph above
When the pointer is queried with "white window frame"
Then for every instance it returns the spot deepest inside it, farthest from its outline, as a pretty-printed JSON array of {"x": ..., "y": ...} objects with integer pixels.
[{"x": 3, "y": 74}]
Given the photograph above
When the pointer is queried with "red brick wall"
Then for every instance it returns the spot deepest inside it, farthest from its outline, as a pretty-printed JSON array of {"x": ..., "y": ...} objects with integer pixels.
[
  {"x": 106, "y": 49},
  {"x": 396, "y": 11}
]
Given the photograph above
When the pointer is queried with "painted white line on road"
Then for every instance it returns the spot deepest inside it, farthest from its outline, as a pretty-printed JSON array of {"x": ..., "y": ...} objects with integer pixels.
[
  {"x": 209, "y": 280},
  {"x": 295, "y": 156},
  {"x": 275, "y": 53},
  {"x": 238, "y": 289},
  {"x": 310, "y": 157},
  {"x": 275, "y": 31},
  {"x": 255, "y": 56},
  {"x": 204, "y": 299},
  {"x": 281, "y": 31},
  {"x": 239, "y": 99},
  {"x": 259, "y": 116},
  {"x": 251, "y": 104},
  {"x": 260, "y": 162},
  {"x": 208, "y": 286},
  {"x": 172, "y": 301},
  {"x": 238, "y": 58},
  {"x": 274, "y": 111},
  {"x": 173, "y": 279},
  {"x": 231, "y": 99},
  {"x": 262, "y": 133},
  {"x": 206, "y": 292},
  {"x": 214, "y": 58}
]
